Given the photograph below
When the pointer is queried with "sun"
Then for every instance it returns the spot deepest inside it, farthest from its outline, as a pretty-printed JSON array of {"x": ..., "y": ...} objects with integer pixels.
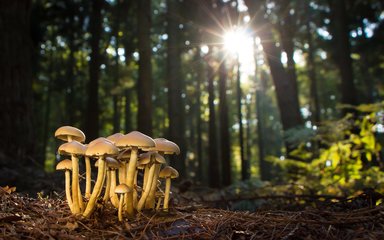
[{"x": 239, "y": 43}]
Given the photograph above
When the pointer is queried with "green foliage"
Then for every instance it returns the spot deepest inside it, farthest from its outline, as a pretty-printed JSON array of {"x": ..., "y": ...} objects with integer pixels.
[{"x": 342, "y": 157}]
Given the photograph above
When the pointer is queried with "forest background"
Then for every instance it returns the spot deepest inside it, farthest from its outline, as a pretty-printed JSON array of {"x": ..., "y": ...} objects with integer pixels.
[{"x": 253, "y": 92}]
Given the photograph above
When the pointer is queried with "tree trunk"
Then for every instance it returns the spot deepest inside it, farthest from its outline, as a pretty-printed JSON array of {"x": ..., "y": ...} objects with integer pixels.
[
  {"x": 116, "y": 94},
  {"x": 144, "y": 84},
  {"x": 287, "y": 98},
  {"x": 92, "y": 118},
  {"x": 314, "y": 104},
  {"x": 176, "y": 105},
  {"x": 245, "y": 167},
  {"x": 342, "y": 50},
  {"x": 214, "y": 164},
  {"x": 15, "y": 81},
  {"x": 225, "y": 146}
]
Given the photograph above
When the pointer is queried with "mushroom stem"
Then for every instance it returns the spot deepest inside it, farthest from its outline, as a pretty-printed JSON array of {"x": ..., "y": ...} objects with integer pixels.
[
  {"x": 107, "y": 186},
  {"x": 97, "y": 188},
  {"x": 80, "y": 198},
  {"x": 113, "y": 195},
  {"x": 122, "y": 172},
  {"x": 75, "y": 184},
  {"x": 145, "y": 180},
  {"x": 88, "y": 173},
  {"x": 120, "y": 210},
  {"x": 145, "y": 193},
  {"x": 159, "y": 203},
  {"x": 130, "y": 180},
  {"x": 135, "y": 196},
  {"x": 68, "y": 189},
  {"x": 150, "y": 202},
  {"x": 167, "y": 192}
]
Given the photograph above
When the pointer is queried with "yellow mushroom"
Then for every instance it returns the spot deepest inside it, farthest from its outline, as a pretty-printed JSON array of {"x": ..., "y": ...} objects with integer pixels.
[
  {"x": 168, "y": 173},
  {"x": 66, "y": 165},
  {"x": 133, "y": 141},
  {"x": 101, "y": 150}
]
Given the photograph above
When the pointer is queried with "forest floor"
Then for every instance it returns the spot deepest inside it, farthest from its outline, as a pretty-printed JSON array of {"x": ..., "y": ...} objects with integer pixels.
[{"x": 23, "y": 217}]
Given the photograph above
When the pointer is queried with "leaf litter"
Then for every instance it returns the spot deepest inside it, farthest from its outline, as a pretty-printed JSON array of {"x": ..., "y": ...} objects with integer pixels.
[{"x": 22, "y": 217}]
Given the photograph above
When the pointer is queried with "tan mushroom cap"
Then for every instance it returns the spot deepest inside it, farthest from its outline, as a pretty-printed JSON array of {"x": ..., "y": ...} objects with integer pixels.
[
  {"x": 124, "y": 155},
  {"x": 65, "y": 164},
  {"x": 114, "y": 137},
  {"x": 150, "y": 157},
  {"x": 166, "y": 146},
  {"x": 135, "y": 139},
  {"x": 168, "y": 171},
  {"x": 97, "y": 140},
  {"x": 73, "y": 147},
  {"x": 63, "y": 132},
  {"x": 112, "y": 163},
  {"x": 122, "y": 188},
  {"x": 102, "y": 148}
]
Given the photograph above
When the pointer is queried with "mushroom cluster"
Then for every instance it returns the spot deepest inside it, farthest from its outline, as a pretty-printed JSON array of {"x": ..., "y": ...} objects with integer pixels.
[{"x": 118, "y": 158}]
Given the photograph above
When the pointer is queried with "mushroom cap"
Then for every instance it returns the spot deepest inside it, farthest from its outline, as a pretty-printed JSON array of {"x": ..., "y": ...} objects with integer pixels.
[
  {"x": 112, "y": 163},
  {"x": 124, "y": 155},
  {"x": 166, "y": 146},
  {"x": 102, "y": 148},
  {"x": 135, "y": 139},
  {"x": 122, "y": 188},
  {"x": 113, "y": 138},
  {"x": 73, "y": 147},
  {"x": 63, "y": 132},
  {"x": 97, "y": 140},
  {"x": 168, "y": 172},
  {"x": 65, "y": 164},
  {"x": 151, "y": 157}
]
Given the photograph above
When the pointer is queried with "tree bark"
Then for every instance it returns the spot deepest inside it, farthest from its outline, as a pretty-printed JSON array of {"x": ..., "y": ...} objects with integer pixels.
[
  {"x": 342, "y": 50},
  {"x": 176, "y": 105},
  {"x": 287, "y": 98},
  {"x": 92, "y": 118},
  {"x": 225, "y": 146},
  {"x": 116, "y": 95},
  {"x": 213, "y": 166},
  {"x": 144, "y": 84},
  {"x": 15, "y": 80}
]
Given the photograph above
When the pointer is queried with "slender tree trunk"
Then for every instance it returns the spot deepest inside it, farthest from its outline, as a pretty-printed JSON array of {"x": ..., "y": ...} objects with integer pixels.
[
  {"x": 176, "y": 105},
  {"x": 314, "y": 96},
  {"x": 214, "y": 164},
  {"x": 199, "y": 141},
  {"x": 71, "y": 108},
  {"x": 15, "y": 80},
  {"x": 144, "y": 84},
  {"x": 225, "y": 146},
  {"x": 245, "y": 171},
  {"x": 342, "y": 50},
  {"x": 116, "y": 95},
  {"x": 92, "y": 118},
  {"x": 128, "y": 9},
  {"x": 287, "y": 98}
]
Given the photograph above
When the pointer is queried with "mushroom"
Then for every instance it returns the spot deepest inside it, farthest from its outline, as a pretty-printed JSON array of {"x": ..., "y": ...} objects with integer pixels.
[
  {"x": 74, "y": 149},
  {"x": 123, "y": 157},
  {"x": 112, "y": 165},
  {"x": 155, "y": 159},
  {"x": 160, "y": 196},
  {"x": 168, "y": 173},
  {"x": 101, "y": 150},
  {"x": 163, "y": 147},
  {"x": 114, "y": 137},
  {"x": 66, "y": 165},
  {"x": 134, "y": 141},
  {"x": 122, "y": 190},
  {"x": 69, "y": 133}
]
